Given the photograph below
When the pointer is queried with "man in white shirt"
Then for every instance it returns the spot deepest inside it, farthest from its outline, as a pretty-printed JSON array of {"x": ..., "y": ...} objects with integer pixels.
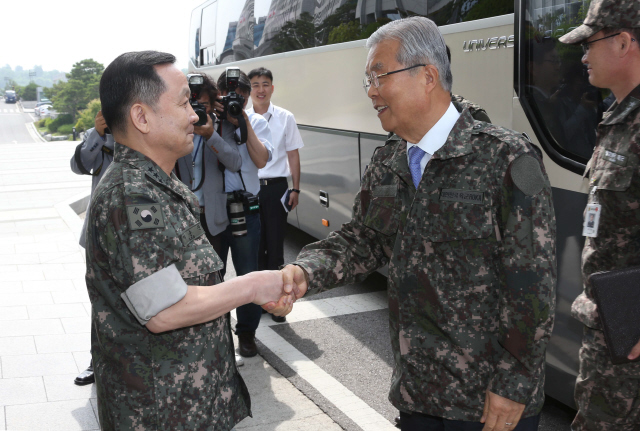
[
  {"x": 255, "y": 154},
  {"x": 273, "y": 177}
]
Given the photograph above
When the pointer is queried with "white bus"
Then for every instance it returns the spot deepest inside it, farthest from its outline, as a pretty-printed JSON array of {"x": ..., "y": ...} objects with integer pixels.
[{"x": 505, "y": 57}]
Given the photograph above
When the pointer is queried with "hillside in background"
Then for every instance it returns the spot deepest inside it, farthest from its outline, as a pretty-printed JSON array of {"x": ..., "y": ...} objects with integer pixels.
[{"x": 21, "y": 76}]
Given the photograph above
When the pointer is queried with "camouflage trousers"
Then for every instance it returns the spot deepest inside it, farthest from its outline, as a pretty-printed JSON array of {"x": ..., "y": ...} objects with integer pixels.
[{"x": 607, "y": 395}]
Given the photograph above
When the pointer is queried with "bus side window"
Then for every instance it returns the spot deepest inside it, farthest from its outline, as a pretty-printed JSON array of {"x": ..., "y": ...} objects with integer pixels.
[
  {"x": 299, "y": 24},
  {"x": 194, "y": 36},
  {"x": 454, "y": 11}
]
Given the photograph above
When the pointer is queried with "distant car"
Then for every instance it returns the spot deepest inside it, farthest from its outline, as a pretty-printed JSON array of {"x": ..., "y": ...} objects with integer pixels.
[
  {"x": 43, "y": 110},
  {"x": 39, "y": 104},
  {"x": 10, "y": 96}
]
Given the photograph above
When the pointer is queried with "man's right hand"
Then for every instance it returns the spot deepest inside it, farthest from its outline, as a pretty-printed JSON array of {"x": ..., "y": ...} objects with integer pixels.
[
  {"x": 101, "y": 125},
  {"x": 295, "y": 279},
  {"x": 294, "y": 283},
  {"x": 206, "y": 131},
  {"x": 270, "y": 289},
  {"x": 234, "y": 120}
]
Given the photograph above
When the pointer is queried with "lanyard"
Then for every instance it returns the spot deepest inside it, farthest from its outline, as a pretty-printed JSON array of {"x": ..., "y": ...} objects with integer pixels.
[{"x": 193, "y": 163}]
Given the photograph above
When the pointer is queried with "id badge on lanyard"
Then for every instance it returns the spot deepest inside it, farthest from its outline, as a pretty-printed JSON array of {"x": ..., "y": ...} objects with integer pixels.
[{"x": 592, "y": 215}]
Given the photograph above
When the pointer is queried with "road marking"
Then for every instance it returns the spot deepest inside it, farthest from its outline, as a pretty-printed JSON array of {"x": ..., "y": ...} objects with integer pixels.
[
  {"x": 342, "y": 398},
  {"x": 31, "y": 128}
]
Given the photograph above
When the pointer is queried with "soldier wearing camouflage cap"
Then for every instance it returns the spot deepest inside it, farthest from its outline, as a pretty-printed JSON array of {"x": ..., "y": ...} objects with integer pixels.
[
  {"x": 160, "y": 335},
  {"x": 607, "y": 395},
  {"x": 461, "y": 211}
]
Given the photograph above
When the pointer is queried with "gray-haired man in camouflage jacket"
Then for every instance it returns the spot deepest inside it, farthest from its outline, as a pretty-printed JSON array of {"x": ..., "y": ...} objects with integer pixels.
[
  {"x": 160, "y": 336},
  {"x": 468, "y": 231},
  {"x": 608, "y": 395}
]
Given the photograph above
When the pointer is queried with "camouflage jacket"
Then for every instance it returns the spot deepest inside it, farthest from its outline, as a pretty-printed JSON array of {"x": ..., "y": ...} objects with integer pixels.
[
  {"x": 477, "y": 112},
  {"x": 183, "y": 379},
  {"x": 472, "y": 271},
  {"x": 614, "y": 169}
]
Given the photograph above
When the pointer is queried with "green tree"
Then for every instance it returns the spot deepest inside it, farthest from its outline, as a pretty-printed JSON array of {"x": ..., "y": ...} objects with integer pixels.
[
  {"x": 10, "y": 85},
  {"x": 345, "y": 14},
  {"x": 86, "y": 119},
  {"x": 30, "y": 92},
  {"x": 294, "y": 35},
  {"x": 369, "y": 29},
  {"x": 86, "y": 70},
  {"x": 345, "y": 32},
  {"x": 488, "y": 8},
  {"x": 82, "y": 86}
]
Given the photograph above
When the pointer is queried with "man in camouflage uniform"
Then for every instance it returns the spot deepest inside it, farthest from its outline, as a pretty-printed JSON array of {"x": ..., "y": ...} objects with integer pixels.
[
  {"x": 607, "y": 395},
  {"x": 160, "y": 338},
  {"x": 467, "y": 228}
]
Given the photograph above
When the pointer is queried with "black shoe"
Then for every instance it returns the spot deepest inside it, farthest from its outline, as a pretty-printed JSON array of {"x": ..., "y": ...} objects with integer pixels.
[
  {"x": 278, "y": 319},
  {"x": 86, "y": 377},
  {"x": 397, "y": 421},
  {"x": 248, "y": 347}
]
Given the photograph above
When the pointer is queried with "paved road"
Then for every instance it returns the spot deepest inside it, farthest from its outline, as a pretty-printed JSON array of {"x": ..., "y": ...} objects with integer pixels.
[
  {"x": 351, "y": 347},
  {"x": 13, "y": 124}
]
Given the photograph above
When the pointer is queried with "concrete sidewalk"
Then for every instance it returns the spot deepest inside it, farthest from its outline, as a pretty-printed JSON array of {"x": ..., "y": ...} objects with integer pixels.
[{"x": 44, "y": 307}]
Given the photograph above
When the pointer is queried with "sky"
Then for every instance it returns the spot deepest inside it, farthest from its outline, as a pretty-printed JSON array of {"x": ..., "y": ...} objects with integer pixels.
[{"x": 55, "y": 34}]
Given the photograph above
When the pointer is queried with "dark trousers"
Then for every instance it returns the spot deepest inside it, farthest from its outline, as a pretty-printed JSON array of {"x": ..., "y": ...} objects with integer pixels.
[
  {"x": 422, "y": 422},
  {"x": 244, "y": 254},
  {"x": 273, "y": 219}
]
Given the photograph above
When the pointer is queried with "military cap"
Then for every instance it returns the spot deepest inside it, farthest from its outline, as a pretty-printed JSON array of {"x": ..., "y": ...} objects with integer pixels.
[{"x": 605, "y": 14}]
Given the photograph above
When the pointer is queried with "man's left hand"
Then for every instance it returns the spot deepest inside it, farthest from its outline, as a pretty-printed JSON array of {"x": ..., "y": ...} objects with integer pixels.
[
  {"x": 635, "y": 352},
  {"x": 293, "y": 200},
  {"x": 235, "y": 122},
  {"x": 500, "y": 414}
]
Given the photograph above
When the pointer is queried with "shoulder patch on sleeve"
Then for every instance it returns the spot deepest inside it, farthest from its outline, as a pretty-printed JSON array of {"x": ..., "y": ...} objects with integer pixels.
[
  {"x": 145, "y": 216},
  {"x": 527, "y": 175}
]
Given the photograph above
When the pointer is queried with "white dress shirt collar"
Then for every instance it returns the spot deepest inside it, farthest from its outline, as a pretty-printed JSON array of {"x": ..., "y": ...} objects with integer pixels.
[
  {"x": 267, "y": 115},
  {"x": 437, "y": 136}
]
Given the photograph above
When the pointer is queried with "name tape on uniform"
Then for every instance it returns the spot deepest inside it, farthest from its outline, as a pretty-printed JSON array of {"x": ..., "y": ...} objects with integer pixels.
[
  {"x": 385, "y": 191},
  {"x": 146, "y": 216},
  {"x": 616, "y": 158},
  {"x": 464, "y": 196},
  {"x": 192, "y": 233}
]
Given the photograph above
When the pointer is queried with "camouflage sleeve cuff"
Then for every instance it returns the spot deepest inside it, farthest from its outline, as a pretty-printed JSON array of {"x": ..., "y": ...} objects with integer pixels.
[
  {"x": 513, "y": 381},
  {"x": 308, "y": 274},
  {"x": 151, "y": 295}
]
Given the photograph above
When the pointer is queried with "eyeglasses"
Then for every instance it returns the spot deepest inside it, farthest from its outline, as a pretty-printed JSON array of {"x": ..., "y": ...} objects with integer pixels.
[
  {"x": 372, "y": 79},
  {"x": 585, "y": 45}
]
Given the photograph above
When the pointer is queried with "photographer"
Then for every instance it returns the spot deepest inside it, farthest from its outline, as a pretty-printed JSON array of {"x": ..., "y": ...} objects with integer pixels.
[
  {"x": 255, "y": 154},
  {"x": 201, "y": 170},
  {"x": 92, "y": 157}
]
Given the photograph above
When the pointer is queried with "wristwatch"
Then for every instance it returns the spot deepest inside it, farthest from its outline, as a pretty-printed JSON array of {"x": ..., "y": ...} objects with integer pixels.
[{"x": 296, "y": 190}]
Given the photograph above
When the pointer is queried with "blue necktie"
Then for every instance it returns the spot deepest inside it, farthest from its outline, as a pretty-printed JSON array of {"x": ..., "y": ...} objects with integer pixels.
[{"x": 415, "y": 155}]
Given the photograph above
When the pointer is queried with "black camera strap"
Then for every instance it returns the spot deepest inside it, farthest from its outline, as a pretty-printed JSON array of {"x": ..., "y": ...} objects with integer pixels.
[
  {"x": 224, "y": 184},
  {"x": 192, "y": 174},
  {"x": 78, "y": 159},
  {"x": 243, "y": 129}
]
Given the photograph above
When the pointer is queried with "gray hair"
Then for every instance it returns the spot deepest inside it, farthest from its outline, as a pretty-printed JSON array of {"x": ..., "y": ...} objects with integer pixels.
[{"x": 420, "y": 42}]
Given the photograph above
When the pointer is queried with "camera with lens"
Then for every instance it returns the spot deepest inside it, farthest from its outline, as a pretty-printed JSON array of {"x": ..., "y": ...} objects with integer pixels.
[
  {"x": 233, "y": 102},
  {"x": 195, "y": 86},
  {"x": 239, "y": 203}
]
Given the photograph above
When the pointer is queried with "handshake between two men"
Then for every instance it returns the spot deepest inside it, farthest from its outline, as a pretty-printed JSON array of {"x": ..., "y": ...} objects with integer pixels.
[
  {"x": 294, "y": 286},
  {"x": 275, "y": 291}
]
